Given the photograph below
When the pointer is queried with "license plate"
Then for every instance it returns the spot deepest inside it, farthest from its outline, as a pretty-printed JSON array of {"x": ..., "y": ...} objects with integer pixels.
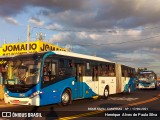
[{"x": 16, "y": 101}]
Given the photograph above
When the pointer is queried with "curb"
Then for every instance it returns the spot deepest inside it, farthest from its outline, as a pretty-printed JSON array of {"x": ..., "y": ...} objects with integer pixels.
[{"x": 4, "y": 105}]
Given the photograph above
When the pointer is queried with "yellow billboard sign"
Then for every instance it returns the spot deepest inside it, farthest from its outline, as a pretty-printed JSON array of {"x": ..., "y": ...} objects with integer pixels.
[
  {"x": 23, "y": 48},
  {"x": 19, "y": 47}
]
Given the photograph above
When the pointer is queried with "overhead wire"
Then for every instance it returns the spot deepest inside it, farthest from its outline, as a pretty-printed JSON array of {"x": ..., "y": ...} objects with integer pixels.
[{"x": 91, "y": 31}]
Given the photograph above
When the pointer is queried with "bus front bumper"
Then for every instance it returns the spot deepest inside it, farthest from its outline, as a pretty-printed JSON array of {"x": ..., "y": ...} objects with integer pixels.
[
  {"x": 146, "y": 87},
  {"x": 22, "y": 101}
]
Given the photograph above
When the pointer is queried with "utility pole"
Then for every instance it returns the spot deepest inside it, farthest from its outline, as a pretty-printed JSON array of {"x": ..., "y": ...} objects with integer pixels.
[
  {"x": 4, "y": 41},
  {"x": 40, "y": 36},
  {"x": 28, "y": 37}
]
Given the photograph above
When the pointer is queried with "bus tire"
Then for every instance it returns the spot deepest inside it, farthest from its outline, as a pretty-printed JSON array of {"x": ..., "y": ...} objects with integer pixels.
[
  {"x": 66, "y": 98},
  {"x": 129, "y": 90},
  {"x": 106, "y": 92},
  {"x": 155, "y": 87}
]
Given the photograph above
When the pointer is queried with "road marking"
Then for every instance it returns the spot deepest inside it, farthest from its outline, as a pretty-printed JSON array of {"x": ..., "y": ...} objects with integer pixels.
[
  {"x": 97, "y": 112},
  {"x": 143, "y": 102},
  {"x": 122, "y": 98},
  {"x": 80, "y": 115}
]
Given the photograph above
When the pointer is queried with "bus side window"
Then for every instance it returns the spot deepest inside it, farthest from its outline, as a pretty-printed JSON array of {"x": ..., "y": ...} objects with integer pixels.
[
  {"x": 45, "y": 74},
  {"x": 129, "y": 72},
  {"x": 53, "y": 69},
  {"x": 72, "y": 68},
  {"x": 66, "y": 68},
  {"x": 53, "y": 72},
  {"x": 107, "y": 70},
  {"x": 88, "y": 69},
  {"x": 111, "y": 70},
  {"x": 122, "y": 69},
  {"x": 95, "y": 73},
  {"x": 125, "y": 72},
  {"x": 49, "y": 72},
  {"x": 80, "y": 71}
]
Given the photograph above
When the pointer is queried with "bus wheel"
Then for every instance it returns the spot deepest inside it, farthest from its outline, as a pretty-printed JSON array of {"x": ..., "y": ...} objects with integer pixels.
[
  {"x": 129, "y": 90},
  {"x": 106, "y": 92},
  {"x": 155, "y": 87},
  {"x": 66, "y": 98}
]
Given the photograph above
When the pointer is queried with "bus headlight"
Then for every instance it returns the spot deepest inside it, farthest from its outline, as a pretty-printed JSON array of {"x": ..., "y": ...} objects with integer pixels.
[
  {"x": 152, "y": 84},
  {"x": 34, "y": 94},
  {"x": 6, "y": 94},
  {"x": 140, "y": 86}
]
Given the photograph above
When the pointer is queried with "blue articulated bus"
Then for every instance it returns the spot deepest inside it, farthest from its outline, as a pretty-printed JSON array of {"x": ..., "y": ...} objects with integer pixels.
[{"x": 61, "y": 77}]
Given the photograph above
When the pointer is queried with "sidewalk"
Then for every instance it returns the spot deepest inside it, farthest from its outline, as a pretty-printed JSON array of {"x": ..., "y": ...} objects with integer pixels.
[
  {"x": 2, "y": 102},
  {"x": 1, "y": 92},
  {"x": 4, "y": 105}
]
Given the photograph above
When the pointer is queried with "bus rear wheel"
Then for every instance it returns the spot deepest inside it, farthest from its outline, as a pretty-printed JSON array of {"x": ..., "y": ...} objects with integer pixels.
[
  {"x": 66, "y": 98},
  {"x": 129, "y": 90},
  {"x": 106, "y": 92}
]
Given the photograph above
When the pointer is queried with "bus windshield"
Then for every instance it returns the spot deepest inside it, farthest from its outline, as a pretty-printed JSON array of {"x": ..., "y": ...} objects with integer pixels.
[
  {"x": 22, "y": 73},
  {"x": 148, "y": 77}
]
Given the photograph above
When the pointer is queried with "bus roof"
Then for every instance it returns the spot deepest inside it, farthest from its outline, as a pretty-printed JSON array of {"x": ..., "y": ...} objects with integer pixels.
[
  {"x": 72, "y": 54},
  {"x": 66, "y": 53},
  {"x": 143, "y": 72},
  {"x": 77, "y": 55}
]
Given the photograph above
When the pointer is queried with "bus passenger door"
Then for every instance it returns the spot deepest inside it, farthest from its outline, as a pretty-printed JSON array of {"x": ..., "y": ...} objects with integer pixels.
[
  {"x": 79, "y": 76},
  {"x": 95, "y": 80},
  {"x": 49, "y": 94}
]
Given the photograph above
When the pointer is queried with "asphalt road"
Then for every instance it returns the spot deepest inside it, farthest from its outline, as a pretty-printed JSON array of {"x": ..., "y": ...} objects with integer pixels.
[{"x": 141, "y": 103}]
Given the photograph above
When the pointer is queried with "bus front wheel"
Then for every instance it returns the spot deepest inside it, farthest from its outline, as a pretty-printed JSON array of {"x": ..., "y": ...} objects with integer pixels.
[{"x": 66, "y": 98}]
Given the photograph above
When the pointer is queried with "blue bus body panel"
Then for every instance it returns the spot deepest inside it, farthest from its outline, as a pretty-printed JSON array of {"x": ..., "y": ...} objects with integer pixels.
[
  {"x": 88, "y": 92},
  {"x": 131, "y": 83},
  {"x": 52, "y": 94}
]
